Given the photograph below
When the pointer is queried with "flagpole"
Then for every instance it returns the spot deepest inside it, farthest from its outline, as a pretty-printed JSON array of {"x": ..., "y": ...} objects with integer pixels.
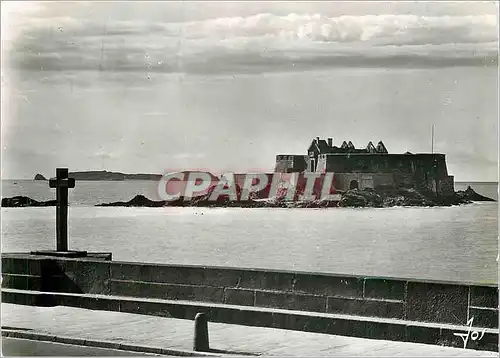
[{"x": 432, "y": 139}]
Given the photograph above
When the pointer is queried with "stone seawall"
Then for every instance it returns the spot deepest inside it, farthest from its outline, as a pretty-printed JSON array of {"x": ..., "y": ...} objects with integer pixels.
[{"x": 409, "y": 300}]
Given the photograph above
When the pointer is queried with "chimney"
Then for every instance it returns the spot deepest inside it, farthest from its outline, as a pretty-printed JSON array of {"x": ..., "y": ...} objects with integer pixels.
[{"x": 330, "y": 142}]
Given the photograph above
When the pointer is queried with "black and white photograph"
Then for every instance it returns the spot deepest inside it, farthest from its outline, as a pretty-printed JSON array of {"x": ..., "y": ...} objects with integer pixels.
[{"x": 250, "y": 178}]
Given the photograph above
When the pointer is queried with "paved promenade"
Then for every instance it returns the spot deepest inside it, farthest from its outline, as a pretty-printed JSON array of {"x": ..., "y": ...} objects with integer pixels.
[{"x": 175, "y": 334}]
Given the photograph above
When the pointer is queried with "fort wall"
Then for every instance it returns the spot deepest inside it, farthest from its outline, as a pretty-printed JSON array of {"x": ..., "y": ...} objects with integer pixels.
[
  {"x": 421, "y": 171},
  {"x": 415, "y": 164},
  {"x": 360, "y": 306},
  {"x": 287, "y": 163},
  {"x": 318, "y": 292},
  {"x": 425, "y": 171}
]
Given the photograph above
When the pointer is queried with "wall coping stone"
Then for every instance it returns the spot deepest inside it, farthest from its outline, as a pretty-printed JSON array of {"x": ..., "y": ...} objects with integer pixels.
[
  {"x": 243, "y": 269},
  {"x": 255, "y": 308}
]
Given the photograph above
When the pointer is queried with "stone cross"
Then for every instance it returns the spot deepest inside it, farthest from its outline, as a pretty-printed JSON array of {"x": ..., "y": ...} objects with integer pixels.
[{"x": 62, "y": 183}]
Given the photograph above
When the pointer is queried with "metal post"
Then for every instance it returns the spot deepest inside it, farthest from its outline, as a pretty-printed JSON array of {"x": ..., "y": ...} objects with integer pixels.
[{"x": 200, "y": 342}]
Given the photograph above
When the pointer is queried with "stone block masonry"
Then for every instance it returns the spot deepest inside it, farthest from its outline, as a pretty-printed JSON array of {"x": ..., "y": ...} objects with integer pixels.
[
  {"x": 371, "y": 167},
  {"x": 379, "y": 299}
]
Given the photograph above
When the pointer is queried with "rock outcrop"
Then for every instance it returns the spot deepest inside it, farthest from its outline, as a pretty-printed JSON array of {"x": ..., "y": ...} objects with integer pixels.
[
  {"x": 39, "y": 177},
  {"x": 202, "y": 201},
  {"x": 350, "y": 198},
  {"x": 470, "y": 194},
  {"x": 361, "y": 198},
  {"x": 137, "y": 201},
  {"x": 24, "y": 201},
  {"x": 407, "y": 197}
]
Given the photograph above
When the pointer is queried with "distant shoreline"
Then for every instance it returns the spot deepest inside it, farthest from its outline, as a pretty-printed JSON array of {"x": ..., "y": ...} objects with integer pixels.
[{"x": 104, "y": 175}]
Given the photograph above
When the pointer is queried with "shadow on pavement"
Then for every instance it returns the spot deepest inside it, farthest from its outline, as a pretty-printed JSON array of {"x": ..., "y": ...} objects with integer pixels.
[
  {"x": 15, "y": 347},
  {"x": 222, "y": 351}
]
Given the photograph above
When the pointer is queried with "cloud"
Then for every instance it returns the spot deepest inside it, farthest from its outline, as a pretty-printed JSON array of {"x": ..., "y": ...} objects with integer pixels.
[
  {"x": 386, "y": 29},
  {"x": 156, "y": 114},
  {"x": 104, "y": 155},
  {"x": 257, "y": 43},
  {"x": 188, "y": 155}
]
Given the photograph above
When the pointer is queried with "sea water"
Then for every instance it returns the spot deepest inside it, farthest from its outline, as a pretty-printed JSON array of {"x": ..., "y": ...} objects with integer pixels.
[{"x": 458, "y": 243}]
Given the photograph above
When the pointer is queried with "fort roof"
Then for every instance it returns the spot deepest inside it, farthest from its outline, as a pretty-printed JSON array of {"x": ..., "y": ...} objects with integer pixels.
[{"x": 321, "y": 146}]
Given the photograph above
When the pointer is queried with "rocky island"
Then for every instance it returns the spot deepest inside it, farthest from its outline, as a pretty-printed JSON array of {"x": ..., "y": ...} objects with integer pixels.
[{"x": 350, "y": 198}]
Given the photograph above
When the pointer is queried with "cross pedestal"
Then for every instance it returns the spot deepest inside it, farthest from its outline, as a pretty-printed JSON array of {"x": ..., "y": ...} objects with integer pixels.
[{"x": 62, "y": 183}]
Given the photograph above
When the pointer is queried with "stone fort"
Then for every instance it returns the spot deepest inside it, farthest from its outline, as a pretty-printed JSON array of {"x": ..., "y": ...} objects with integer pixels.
[{"x": 370, "y": 167}]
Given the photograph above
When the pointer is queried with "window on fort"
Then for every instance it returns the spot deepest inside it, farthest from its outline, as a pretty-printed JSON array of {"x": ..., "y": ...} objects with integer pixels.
[{"x": 367, "y": 182}]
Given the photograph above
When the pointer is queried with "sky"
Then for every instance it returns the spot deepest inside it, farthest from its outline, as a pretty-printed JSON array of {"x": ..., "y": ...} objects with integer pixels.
[{"x": 226, "y": 86}]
